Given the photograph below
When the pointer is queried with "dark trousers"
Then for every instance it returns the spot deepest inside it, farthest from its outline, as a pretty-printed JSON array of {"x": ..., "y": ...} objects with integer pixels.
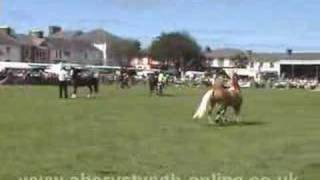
[{"x": 63, "y": 89}]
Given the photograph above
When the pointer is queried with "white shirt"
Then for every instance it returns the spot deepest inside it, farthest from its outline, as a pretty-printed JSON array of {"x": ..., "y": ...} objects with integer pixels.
[
  {"x": 161, "y": 77},
  {"x": 63, "y": 75},
  {"x": 96, "y": 74}
]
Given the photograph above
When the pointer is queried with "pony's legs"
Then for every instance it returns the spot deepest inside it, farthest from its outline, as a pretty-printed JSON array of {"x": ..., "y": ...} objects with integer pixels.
[
  {"x": 90, "y": 90},
  {"x": 212, "y": 105},
  {"x": 237, "y": 110},
  {"x": 74, "y": 94},
  {"x": 220, "y": 118},
  {"x": 96, "y": 86},
  {"x": 151, "y": 88}
]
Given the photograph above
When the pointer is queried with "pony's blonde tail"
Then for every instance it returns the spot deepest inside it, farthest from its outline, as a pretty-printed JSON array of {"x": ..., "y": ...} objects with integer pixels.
[{"x": 202, "y": 109}]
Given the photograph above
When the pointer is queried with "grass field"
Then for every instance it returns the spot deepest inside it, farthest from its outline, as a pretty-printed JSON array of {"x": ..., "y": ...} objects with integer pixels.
[{"x": 124, "y": 132}]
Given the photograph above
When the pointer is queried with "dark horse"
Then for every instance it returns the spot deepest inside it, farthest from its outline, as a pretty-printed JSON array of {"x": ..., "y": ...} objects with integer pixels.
[
  {"x": 84, "y": 77},
  {"x": 155, "y": 85}
]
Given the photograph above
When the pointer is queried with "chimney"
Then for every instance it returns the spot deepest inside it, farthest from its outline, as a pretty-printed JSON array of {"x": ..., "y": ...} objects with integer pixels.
[
  {"x": 7, "y": 30},
  {"x": 289, "y": 52},
  {"x": 249, "y": 54},
  {"x": 36, "y": 33},
  {"x": 54, "y": 29}
]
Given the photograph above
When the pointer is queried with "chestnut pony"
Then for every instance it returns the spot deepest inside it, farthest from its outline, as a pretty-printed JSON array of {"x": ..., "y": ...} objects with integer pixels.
[{"x": 223, "y": 98}]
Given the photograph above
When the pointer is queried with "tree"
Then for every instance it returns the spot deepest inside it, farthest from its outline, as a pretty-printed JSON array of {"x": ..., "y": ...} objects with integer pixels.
[
  {"x": 178, "y": 47},
  {"x": 125, "y": 50}
]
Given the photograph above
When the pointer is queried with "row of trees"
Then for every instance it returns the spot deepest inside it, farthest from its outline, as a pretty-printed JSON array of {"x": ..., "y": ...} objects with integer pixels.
[
  {"x": 177, "y": 47},
  {"x": 125, "y": 49}
]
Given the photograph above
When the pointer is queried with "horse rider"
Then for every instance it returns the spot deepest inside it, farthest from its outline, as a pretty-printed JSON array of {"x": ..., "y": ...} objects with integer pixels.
[{"x": 63, "y": 77}]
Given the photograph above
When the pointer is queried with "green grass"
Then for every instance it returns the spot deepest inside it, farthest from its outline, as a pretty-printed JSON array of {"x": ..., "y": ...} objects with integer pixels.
[{"x": 124, "y": 132}]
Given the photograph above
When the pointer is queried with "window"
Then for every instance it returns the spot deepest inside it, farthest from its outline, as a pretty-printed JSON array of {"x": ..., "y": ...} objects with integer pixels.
[
  {"x": 41, "y": 55},
  {"x": 85, "y": 55},
  {"x": 271, "y": 65},
  {"x": 8, "y": 49},
  {"x": 251, "y": 64},
  {"x": 67, "y": 53}
]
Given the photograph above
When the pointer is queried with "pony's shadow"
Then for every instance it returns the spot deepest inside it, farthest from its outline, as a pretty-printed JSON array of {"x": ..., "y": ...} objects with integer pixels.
[
  {"x": 167, "y": 95},
  {"x": 243, "y": 123},
  {"x": 251, "y": 123},
  {"x": 83, "y": 98},
  {"x": 163, "y": 96}
]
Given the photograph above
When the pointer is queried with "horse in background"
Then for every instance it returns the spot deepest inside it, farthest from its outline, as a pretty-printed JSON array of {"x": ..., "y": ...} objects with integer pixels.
[
  {"x": 124, "y": 80},
  {"x": 223, "y": 98},
  {"x": 153, "y": 83},
  {"x": 156, "y": 84},
  {"x": 84, "y": 77}
]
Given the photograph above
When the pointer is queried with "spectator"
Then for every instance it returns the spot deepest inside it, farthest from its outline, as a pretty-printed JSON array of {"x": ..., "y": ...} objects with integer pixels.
[{"x": 63, "y": 83}]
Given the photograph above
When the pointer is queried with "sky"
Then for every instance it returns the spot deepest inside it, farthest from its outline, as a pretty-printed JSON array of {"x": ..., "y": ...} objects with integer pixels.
[{"x": 258, "y": 25}]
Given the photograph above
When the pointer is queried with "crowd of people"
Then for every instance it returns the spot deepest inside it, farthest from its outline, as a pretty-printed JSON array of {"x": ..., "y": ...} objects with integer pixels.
[
  {"x": 264, "y": 82},
  {"x": 157, "y": 80},
  {"x": 301, "y": 83}
]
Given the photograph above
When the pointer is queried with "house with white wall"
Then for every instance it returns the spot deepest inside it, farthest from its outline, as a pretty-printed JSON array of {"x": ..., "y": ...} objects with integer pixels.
[
  {"x": 263, "y": 63},
  {"x": 222, "y": 58},
  {"x": 251, "y": 64},
  {"x": 288, "y": 64},
  {"x": 145, "y": 63}
]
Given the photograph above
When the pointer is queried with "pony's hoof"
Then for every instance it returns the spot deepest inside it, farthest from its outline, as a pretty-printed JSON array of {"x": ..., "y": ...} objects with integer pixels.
[
  {"x": 88, "y": 96},
  {"x": 73, "y": 96},
  {"x": 211, "y": 123}
]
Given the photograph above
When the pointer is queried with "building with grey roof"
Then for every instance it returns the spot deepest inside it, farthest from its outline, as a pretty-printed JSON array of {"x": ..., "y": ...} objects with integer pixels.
[
  {"x": 73, "y": 51},
  {"x": 286, "y": 64},
  {"x": 10, "y": 49}
]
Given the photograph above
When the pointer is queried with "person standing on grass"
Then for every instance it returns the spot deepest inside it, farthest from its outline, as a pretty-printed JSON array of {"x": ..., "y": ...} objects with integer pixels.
[
  {"x": 63, "y": 83},
  {"x": 160, "y": 83}
]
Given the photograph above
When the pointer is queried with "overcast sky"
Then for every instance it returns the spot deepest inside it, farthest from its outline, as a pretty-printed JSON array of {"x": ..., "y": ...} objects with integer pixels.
[{"x": 271, "y": 25}]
